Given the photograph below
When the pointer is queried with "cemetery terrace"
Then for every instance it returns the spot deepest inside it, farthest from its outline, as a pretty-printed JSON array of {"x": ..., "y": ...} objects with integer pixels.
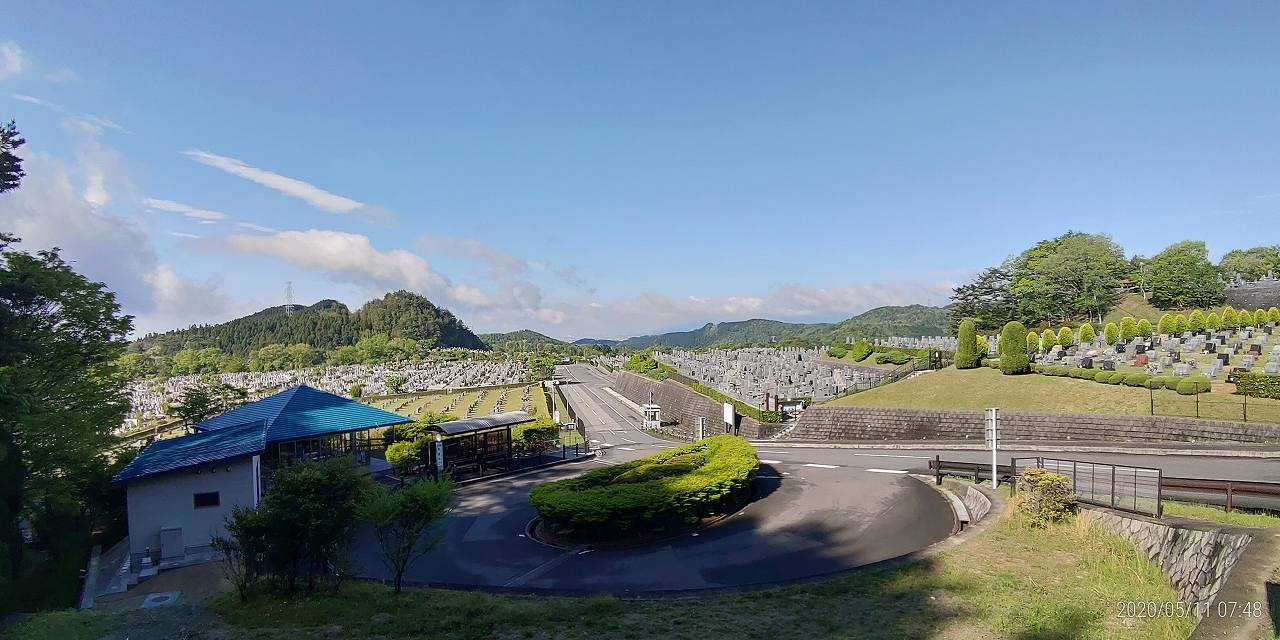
[{"x": 756, "y": 374}]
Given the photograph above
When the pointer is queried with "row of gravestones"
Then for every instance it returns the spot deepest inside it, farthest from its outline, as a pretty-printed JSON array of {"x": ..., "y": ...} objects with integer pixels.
[
  {"x": 752, "y": 374},
  {"x": 942, "y": 343},
  {"x": 1173, "y": 354}
]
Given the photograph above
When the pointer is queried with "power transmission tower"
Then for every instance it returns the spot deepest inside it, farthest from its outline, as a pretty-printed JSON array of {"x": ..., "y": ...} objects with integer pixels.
[{"x": 288, "y": 298}]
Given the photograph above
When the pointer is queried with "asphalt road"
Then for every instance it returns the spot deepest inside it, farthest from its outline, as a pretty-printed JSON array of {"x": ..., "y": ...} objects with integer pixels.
[{"x": 810, "y": 519}]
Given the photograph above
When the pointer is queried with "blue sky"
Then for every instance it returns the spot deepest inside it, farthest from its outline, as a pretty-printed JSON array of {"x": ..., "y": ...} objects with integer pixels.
[{"x": 601, "y": 169}]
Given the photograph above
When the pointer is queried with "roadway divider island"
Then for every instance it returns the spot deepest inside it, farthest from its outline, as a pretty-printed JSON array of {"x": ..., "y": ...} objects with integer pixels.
[{"x": 669, "y": 491}]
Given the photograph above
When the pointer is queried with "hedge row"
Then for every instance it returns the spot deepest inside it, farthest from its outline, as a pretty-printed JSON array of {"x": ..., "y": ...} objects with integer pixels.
[
  {"x": 1185, "y": 385},
  {"x": 741, "y": 407},
  {"x": 861, "y": 350},
  {"x": 1258, "y": 385},
  {"x": 671, "y": 489}
]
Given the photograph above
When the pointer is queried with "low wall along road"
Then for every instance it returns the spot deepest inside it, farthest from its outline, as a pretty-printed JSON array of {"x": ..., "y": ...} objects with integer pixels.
[
  {"x": 685, "y": 405},
  {"x": 829, "y": 423}
]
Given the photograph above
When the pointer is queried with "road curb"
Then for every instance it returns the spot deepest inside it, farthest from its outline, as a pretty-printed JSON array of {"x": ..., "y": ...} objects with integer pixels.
[{"x": 1030, "y": 447}]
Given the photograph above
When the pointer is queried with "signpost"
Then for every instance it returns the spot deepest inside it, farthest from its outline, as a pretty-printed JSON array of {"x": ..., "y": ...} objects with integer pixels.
[
  {"x": 993, "y": 435},
  {"x": 439, "y": 453},
  {"x": 702, "y": 428},
  {"x": 728, "y": 417}
]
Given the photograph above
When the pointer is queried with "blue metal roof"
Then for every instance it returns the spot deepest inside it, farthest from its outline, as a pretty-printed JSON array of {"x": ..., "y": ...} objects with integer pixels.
[
  {"x": 194, "y": 450},
  {"x": 296, "y": 413},
  {"x": 304, "y": 412}
]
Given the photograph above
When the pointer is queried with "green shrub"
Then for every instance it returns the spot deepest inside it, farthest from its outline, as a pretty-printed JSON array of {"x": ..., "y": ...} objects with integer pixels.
[
  {"x": 1258, "y": 385},
  {"x": 1196, "y": 321},
  {"x": 1165, "y": 325},
  {"x": 1116, "y": 378},
  {"x": 1044, "y": 496},
  {"x": 893, "y": 357},
  {"x": 1213, "y": 321},
  {"x": 1136, "y": 379},
  {"x": 1229, "y": 317},
  {"x": 860, "y": 350},
  {"x": 1033, "y": 341},
  {"x": 1273, "y": 314},
  {"x": 648, "y": 472},
  {"x": 596, "y": 505},
  {"x": 1155, "y": 382},
  {"x": 967, "y": 354},
  {"x": 1179, "y": 324},
  {"x": 1128, "y": 328},
  {"x": 1144, "y": 328},
  {"x": 1102, "y": 376},
  {"x": 837, "y": 351},
  {"x": 741, "y": 407},
  {"x": 991, "y": 363},
  {"x": 1191, "y": 385},
  {"x": 1259, "y": 317},
  {"x": 1047, "y": 339},
  {"x": 1111, "y": 333},
  {"x": 404, "y": 455},
  {"x": 1171, "y": 382},
  {"x": 1066, "y": 337},
  {"x": 1083, "y": 374},
  {"x": 1013, "y": 354},
  {"x": 534, "y": 438},
  {"x": 1058, "y": 371},
  {"x": 1087, "y": 334}
]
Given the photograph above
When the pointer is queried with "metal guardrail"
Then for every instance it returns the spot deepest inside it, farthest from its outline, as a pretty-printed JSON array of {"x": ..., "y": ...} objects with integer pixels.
[{"x": 1139, "y": 490}]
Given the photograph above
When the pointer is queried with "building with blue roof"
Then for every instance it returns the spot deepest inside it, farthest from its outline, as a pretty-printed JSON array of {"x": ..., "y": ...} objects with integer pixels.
[{"x": 181, "y": 490}]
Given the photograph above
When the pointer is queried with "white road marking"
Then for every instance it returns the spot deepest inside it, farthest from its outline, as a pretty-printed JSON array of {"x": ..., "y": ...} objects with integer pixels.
[
  {"x": 626, "y": 448},
  {"x": 885, "y": 471},
  {"x": 890, "y": 455},
  {"x": 595, "y": 442},
  {"x": 770, "y": 477},
  {"x": 821, "y": 466},
  {"x": 776, "y": 453},
  {"x": 770, "y": 462}
]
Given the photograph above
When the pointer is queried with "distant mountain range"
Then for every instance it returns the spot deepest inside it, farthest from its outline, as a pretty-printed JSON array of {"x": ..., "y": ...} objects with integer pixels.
[
  {"x": 326, "y": 325},
  {"x": 520, "y": 340}
]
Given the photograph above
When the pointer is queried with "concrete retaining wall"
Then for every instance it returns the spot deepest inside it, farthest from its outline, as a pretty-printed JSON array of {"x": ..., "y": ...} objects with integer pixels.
[
  {"x": 831, "y": 423},
  {"x": 1197, "y": 561},
  {"x": 684, "y": 405}
]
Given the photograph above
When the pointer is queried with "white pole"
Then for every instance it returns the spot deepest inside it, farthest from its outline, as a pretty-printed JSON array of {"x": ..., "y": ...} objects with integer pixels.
[{"x": 993, "y": 431}]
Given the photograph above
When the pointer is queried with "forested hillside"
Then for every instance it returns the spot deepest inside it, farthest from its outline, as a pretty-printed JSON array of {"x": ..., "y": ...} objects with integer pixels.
[
  {"x": 912, "y": 320},
  {"x": 326, "y": 325},
  {"x": 524, "y": 339}
]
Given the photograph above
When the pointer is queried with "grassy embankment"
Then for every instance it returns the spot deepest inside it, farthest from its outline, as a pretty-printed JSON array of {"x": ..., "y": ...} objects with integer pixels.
[
  {"x": 977, "y": 389},
  {"x": 1008, "y": 582}
]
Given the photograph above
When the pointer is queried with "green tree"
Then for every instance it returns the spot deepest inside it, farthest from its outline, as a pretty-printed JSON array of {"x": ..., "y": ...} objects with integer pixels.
[
  {"x": 1087, "y": 334},
  {"x": 1073, "y": 275},
  {"x": 1033, "y": 341},
  {"x": 1273, "y": 314},
  {"x": 10, "y": 164},
  {"x": 1195, "y": 321},
  {"x": 1128, "y": 328},
  {"x": 1259, "y": 317},
  {"x": 61, "y": 395},
  {"x": 1111, "y": 333},
  {"x": 1250, "y": 264},
  {"x": 357, "y": 390},
  {"x": 967, "y": 355},
  {"x": 1182, "y": 276},
  {"x": 1212, "y": 321},
  {"x": 1013, "y": 352},
  {"x": 206, "y": 400},
  {"x": 1230, "y": 319},
  {"x": 406, "y": 521},
  {"x": 1165, "y": 326},
  {"x": 1066, "y": 337},
  {"x": 1179, "y": 324},
  {"x": 1048, "y": 339},
  {"x": 395, "y": 383},
  {"x": 988, "y": 300},
  {"x": 1144, "y": 328}
]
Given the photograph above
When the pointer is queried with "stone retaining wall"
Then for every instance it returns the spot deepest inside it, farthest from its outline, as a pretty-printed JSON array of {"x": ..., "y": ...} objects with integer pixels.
[
  {"x": 1197, "y": 561},
  {"x": 976, "y": 502},
  {"x": 684, "y": 405},
  {"x": 832, "y": 423}
]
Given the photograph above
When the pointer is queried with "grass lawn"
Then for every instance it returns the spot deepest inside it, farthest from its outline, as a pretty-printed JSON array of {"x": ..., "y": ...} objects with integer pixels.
[
  {"x": 1010, "y": 581},
  {"x": 1238, "y": 517},
  {"x": 976, "y": 389}
]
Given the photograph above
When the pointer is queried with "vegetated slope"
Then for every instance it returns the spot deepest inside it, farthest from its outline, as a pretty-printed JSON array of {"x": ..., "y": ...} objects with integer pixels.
[
  {"x": 519, "y": 340},
  {"x": 324, "y": 325},
  {"x": 911, "y": 320},
  {"x": 601, "y": 342}
]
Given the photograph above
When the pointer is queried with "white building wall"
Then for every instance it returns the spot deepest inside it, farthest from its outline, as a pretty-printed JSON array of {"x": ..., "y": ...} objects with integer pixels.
[{"x": 167, "y": 501}]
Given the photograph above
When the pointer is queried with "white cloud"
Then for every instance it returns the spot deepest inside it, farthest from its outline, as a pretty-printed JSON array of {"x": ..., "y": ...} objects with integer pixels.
[
  {"x": 50, "y": 210},
  {"x": 184, "y": 209},
  {"x": 98, "y": 164},
  {"x": 347, "y": 257},
  {"x": 36, "y": 101},
  {"x": 502, "y": 264},
  {"x": 255, "y": 227},
  {"x": 292, "y": 187},
  {"x": 12, "y": 60},
  {"x": 179, "y": 234}
]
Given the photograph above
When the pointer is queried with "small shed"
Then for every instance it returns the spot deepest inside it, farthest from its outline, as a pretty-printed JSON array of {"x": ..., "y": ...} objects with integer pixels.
[{"x": 475, "y": 445}]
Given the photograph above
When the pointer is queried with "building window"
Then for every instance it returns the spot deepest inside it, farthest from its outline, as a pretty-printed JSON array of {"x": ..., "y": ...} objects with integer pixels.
[{"x": 206, "y": 499}]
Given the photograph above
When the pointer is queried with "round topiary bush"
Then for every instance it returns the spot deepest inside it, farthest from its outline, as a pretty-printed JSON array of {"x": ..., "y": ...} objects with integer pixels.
[
  {"x": 1136, "y": 379},
  {"x": 1191, "y": 385},
  {"x": 966, "y": 345},
  {"x": 1116, "y": 378},
  {"x": 1171, "y": 382},
  {"x": 667, "y": 490},
  {"x": 1102, "y": 376},
  {"x": 1083, "y": 374},
  {"x": 1059, "y": 371}
]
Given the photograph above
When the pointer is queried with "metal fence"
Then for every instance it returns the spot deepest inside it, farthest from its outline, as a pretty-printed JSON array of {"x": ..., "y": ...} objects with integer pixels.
[
  {"x": 1214, "y": 406},
  {"x": 1122, "y": 487}
]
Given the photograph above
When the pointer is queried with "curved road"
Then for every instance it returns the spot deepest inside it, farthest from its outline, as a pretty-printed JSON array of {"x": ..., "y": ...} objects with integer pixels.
[{"x": 813, "y": 518}]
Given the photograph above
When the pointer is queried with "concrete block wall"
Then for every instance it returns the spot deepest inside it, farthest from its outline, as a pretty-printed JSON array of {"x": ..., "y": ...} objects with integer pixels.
[
  {"x": 1197, "y": 561},
  {"x": 831, "y": 423},
  {"x": 685, "y": 405}
]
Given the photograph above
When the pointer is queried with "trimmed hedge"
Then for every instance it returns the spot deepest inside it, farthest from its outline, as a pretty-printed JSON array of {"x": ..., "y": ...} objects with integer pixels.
[
  {"x": 1102, "y": 376},
  {"x": 860, "y": 351},
  {"x": 966, "y": 345},
  {"x": 640, "y": 495},
  {"x": 1191, "y": 385},
  {"x": 1258, "y": 385},
  {"x": 1116, "y": 378},
  {"x": 1136, "y": 379},
  {"x": 894, "y": 357},
  {"x": 1155, "y": 382},
  {"x": 740, "y": 406},
  {"x": 1013, "y": 349}
]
